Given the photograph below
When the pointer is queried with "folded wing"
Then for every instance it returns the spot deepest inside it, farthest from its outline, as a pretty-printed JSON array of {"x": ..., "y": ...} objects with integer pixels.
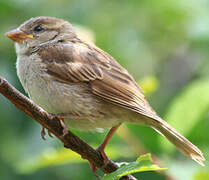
[{"x": 83, "y": 63}]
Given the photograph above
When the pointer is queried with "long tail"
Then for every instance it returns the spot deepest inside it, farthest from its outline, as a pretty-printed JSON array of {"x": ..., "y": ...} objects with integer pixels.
[{"x": 181, "y": 143}]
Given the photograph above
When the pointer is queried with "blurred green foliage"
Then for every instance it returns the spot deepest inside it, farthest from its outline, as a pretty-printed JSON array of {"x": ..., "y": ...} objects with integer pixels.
[{"x": 164, "y": 44}]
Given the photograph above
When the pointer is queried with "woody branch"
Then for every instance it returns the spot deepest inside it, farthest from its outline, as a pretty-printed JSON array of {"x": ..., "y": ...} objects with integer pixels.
[{"x": 52, "y": 123}]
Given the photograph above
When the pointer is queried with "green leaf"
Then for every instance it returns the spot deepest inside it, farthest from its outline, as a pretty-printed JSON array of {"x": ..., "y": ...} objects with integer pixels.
[
  {"x": 143, "y": 163},
  {"x": 188, "y": 108}
]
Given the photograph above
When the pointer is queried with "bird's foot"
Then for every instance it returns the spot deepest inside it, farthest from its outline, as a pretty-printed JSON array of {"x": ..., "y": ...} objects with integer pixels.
[
  {"x": 101, "y": 150},
  {"x": 63, "y": 116},
  {"x": 43, "y": 133},
  {"x": 105, "y": 159}
]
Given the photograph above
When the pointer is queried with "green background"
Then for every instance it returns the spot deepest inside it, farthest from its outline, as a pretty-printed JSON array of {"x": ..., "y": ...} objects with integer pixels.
[{"x": 164, "y": 44}]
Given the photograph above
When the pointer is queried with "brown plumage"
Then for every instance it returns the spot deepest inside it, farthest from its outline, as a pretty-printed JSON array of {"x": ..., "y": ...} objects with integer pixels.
[{"x": 64, "y": 61}]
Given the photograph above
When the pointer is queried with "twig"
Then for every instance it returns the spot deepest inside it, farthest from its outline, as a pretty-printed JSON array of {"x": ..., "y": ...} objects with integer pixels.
[{"x": 52, "y": 123}]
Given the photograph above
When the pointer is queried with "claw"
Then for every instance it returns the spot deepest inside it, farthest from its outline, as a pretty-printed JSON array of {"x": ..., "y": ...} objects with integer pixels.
[
  {"x": 93, "y": 168},
  {"x": 91, "y": 164},
  {"x": 43, "y": 134},
  {"x": 65, "y": 128},
  {"x": 50, "y": 134},
  {"x": 60, "y": 118}
]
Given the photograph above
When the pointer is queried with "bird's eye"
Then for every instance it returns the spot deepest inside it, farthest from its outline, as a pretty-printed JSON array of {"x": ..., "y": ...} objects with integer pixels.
[{"x": 38, "y": 28}]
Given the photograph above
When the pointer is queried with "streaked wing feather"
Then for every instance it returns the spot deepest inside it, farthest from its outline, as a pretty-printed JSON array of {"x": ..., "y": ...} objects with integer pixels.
[{"x": 81, "y": 62}]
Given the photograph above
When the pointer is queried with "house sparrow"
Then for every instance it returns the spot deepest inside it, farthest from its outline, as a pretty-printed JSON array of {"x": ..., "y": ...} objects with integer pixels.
[{"x": 83, "y": 84}]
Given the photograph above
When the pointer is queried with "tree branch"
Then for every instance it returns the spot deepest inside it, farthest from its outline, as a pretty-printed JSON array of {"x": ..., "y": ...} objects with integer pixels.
[{"x": 52, "y": 123}]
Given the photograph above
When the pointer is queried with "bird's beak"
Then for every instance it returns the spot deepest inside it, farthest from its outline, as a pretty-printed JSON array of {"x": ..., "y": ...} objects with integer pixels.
[{"x": 17, "y": 35}]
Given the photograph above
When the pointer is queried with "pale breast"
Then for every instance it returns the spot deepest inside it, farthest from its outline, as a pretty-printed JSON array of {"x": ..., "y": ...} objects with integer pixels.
[{"x": 57, "y": 97}]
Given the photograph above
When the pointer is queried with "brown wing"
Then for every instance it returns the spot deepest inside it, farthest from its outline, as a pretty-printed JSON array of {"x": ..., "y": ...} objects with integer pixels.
[{"x": 81, "y": 62}]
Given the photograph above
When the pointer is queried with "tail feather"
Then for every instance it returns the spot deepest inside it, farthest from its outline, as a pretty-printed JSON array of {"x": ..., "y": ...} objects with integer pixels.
[{"x": 181, "y": 143}]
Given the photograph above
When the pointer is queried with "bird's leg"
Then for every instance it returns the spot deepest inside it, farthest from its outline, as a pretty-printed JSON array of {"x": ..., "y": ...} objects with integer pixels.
[
  {"x": 102, "y": 146},
  {"x": 106, "y": 140}
]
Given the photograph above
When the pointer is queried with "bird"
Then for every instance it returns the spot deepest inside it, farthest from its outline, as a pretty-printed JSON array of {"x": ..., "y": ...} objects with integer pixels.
[{"x": 82, "y": 84}]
